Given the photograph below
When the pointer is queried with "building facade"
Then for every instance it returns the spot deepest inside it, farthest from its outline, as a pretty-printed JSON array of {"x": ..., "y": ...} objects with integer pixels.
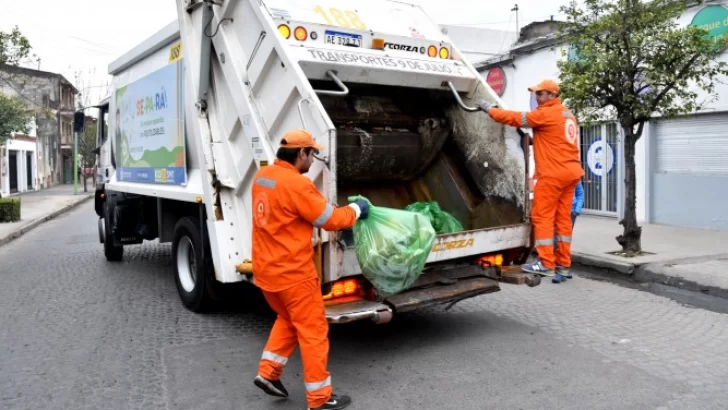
[
  {"x": 680, "y": 168},
  {"x": 50, "y": 99}
]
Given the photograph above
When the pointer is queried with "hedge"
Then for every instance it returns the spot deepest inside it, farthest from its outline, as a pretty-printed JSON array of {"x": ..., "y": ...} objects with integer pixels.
[{"x": 9, "y": 209}]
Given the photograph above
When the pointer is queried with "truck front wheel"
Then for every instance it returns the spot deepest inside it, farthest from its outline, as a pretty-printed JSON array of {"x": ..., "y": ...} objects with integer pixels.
[
  {"x": 192, "y": 270},
  {"x": 113, "y": 253}
]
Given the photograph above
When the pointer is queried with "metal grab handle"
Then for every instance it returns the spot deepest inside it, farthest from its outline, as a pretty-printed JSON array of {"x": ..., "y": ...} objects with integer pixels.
[
  {"x": 460, "y": 100},
  {"x": 300, "y": 111},
  {"x": 344, "y": 90}
]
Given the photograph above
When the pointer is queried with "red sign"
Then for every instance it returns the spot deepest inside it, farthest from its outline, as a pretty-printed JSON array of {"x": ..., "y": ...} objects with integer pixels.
[{"x": 496, "y": 79}]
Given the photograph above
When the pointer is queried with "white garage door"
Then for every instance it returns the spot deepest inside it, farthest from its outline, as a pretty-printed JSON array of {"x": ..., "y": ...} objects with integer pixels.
[{"x": 690, "y": 172}]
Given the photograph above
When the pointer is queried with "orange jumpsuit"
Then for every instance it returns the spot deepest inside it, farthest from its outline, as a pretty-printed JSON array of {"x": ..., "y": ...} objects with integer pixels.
[
  {"x": 286, "y": 207},
  {"x": 558, "y": 171}
]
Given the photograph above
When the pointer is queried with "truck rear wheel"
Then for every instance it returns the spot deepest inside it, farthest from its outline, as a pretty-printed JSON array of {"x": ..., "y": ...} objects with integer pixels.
[
  {"x": 113, "y": 253},
  {"x": 193, "y": 272}
]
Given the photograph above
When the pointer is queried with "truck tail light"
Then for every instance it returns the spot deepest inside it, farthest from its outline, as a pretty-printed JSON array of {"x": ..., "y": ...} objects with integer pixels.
[
  {"x": 491, "y": 260},
  {"x": 432, "y": 51},
  {"x": 300, "y": 33},
  {"x": 285, "y": 31},
  {"x": 444, "y": 53},
  {"x": 345, "y": 288}
]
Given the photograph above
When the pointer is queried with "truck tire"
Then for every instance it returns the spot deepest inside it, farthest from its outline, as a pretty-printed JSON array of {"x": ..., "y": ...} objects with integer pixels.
[
  {"x": 193, "y": 273},
  {"x": 113, "y": 253}
]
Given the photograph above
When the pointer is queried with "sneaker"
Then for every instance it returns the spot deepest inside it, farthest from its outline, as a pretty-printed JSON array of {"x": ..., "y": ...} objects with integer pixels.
[
  {"x": 564, "y": 272},
  {"x": 558, "y": 278},
  {"x": 537, "y": 268},
  {"x": 271, "y": 387},
  {"x": 335, "y": 403}
]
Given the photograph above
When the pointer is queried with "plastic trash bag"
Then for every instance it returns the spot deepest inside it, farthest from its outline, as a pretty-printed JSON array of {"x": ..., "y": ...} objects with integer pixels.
[
  {"x": 392, "y": 246},
  {"x": 442, "y": 221}
]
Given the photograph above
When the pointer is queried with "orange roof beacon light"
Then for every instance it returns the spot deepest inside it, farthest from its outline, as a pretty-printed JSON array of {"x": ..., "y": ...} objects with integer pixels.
[
  {"x": 285, "y": 31},
  {"x": 300, "y": 33}
]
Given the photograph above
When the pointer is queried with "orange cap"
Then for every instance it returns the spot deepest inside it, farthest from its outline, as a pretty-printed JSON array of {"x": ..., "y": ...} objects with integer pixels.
[
  {"x": 546, "y": 85},
  {"x": 300, "y": 139}
]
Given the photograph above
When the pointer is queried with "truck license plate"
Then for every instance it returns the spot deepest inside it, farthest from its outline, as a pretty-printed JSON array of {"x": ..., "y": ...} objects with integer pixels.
[{"x": 342, "y": 39}]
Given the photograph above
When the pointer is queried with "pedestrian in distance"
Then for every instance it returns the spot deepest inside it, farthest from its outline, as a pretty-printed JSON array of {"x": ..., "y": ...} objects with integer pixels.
[
  {"x": 286, "y": 208},
  {"x": 576, "y": 207},
  {"x": 558, "y": 171}
]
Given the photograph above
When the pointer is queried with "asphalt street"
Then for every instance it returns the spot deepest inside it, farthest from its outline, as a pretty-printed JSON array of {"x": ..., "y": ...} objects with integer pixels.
[{"x": 77, "y": 332}]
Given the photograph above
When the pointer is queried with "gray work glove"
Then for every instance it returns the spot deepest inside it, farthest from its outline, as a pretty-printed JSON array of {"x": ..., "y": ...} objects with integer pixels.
[{"x": 484, "y": 105}]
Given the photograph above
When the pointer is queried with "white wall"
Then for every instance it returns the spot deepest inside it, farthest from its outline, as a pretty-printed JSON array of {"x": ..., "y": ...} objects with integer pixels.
[{"x": 21, "y": 149}]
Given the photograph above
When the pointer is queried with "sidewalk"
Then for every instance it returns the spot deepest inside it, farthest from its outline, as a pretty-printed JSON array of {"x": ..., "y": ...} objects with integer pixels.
[
  {"x": 691, "y": 259},
  {"x": 39, "y": 206}
]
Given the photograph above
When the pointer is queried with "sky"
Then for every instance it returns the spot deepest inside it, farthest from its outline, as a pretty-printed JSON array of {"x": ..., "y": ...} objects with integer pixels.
[{"x": 79, "y": 38}]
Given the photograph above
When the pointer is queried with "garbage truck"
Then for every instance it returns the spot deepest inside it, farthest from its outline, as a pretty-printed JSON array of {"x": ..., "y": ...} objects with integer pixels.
[{"x": 196, "y": 109}]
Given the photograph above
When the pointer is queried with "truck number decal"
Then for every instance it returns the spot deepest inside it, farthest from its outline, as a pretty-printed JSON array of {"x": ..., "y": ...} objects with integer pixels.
[
  {"x": 175, "y": 53},
  {"x": 346, "y": 19},
  {"x": 450, "y": 245}
]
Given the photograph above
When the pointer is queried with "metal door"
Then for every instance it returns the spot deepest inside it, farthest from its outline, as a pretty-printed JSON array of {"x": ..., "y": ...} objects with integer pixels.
[
  {"x": 29, "y": 169},
  {"x": 13, "y": 168},
  {"x": 600, "y": 159}
]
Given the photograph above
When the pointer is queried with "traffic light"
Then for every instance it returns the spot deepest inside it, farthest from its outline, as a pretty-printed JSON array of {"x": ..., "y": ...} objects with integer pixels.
[{"x": 78, "y": 121}]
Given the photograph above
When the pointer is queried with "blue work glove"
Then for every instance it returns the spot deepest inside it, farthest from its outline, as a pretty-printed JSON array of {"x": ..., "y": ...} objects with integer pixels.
[
  {"x": 484, "y": 105},
  {"x": 363, "y": 207}
]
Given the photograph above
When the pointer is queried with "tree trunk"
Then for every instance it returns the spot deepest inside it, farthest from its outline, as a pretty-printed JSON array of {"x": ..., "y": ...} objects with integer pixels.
[{"x": 631, "y": 237}]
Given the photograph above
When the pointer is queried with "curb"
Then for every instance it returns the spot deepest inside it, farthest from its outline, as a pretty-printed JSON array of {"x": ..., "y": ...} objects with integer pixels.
[
  {"x": 649, "y": 273},
  {"x": 38, "y": 221},
  {"x": 597, "y": 262},
  {"x": 659, "y": 273}
]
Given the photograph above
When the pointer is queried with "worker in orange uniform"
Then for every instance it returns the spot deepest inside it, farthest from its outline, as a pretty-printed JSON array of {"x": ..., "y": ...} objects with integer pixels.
[
  {"x": 286, "y": 208},
  {"x": 558, "y": 171}
]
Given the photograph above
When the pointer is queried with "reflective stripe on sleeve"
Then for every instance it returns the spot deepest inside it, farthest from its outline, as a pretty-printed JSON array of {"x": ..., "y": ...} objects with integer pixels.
[
  {"x": 321, "y": 220},
  {"x": 266, "y": 182},
  {"x": 318, "y": 385},
  {"x": 274, "y": 357},
  {"x": 524, "y": 120}
]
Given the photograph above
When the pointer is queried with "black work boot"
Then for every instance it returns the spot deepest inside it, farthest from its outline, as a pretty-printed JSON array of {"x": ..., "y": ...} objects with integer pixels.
[
  {"x": 335, "y": 403},
  {"x": 271, "y": 387}
]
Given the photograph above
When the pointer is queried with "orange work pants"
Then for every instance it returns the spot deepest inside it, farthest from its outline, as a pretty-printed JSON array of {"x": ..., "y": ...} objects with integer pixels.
[
  {"x": 552, "y": 200},
  {"x": 301, "y": 320}
]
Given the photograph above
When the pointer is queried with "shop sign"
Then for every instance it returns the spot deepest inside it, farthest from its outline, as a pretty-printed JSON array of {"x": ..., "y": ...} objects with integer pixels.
[{"x": 496, "y": 79}]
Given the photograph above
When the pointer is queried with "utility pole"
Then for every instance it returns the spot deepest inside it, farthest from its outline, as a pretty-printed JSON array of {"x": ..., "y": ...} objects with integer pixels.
[
  {"x": 78, "y": 119},
  {"x": 518, "y": 32}
]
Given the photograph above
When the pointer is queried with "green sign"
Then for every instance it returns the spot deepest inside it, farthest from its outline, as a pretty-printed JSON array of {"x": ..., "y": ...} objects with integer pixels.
[{"x": 713, "y": 19}]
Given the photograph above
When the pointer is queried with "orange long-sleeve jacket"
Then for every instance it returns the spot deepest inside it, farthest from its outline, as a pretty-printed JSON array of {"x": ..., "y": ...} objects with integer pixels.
[
  {"x": 286, "y": 208},
  {"x": 555, "y": 138}
]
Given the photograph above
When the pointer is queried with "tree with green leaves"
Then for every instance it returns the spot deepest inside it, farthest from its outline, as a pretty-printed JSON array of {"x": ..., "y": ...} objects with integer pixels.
[
  {"x": 14, "y": 117},
  {"x": 634, "y": 61},
  {"x": 87, "y": 150},
  {"x": 14, "y": 47}
]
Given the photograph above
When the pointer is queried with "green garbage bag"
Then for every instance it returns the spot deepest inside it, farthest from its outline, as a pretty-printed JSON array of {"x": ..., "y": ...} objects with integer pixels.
[
  {"x": 442, "y": 221},
  {"x": 392, "y": 246}
]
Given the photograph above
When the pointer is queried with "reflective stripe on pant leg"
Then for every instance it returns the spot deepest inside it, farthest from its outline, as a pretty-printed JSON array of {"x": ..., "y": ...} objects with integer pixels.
[
  {"x": 545, "y": 198},
  {"x": 281, "y": 342},
  {"x": 274, "y": 358},
  {"x": 312, "y": 387},
  {"x": 564, "y": 224},
  {"x": 306, "y": 307}
]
